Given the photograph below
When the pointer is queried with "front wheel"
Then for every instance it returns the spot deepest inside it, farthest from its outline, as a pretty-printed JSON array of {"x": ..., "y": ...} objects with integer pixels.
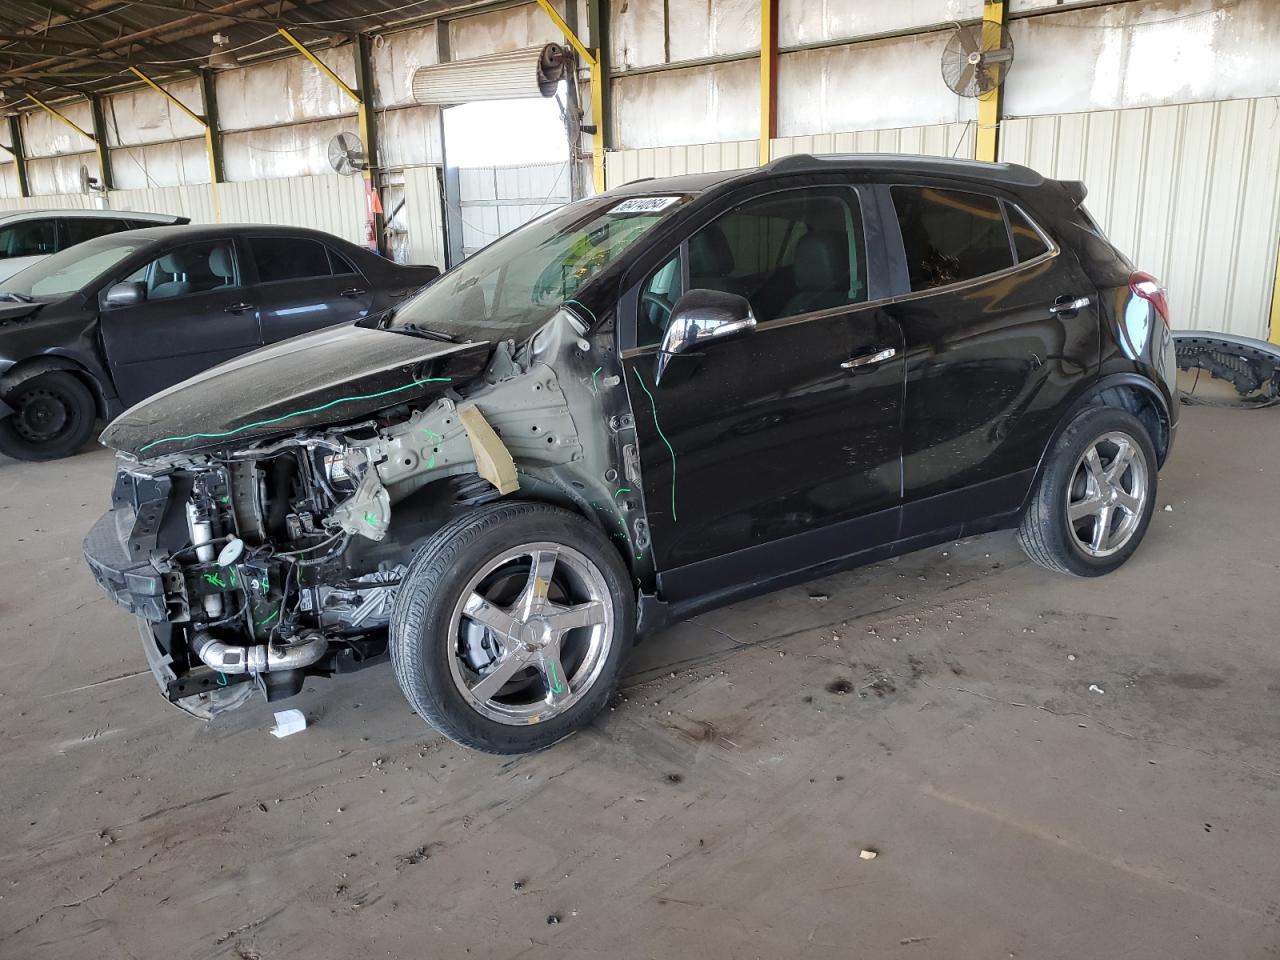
[
  {"x": 511, "y": 626},
  {"x": 53, "y": 416},
  {"x": 1095, "y": 496}
]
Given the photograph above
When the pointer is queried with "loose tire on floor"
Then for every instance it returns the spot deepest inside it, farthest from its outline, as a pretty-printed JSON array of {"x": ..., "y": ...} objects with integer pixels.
[
  {"x": 53, "y": 417},
  {"x": 1094, "y": 499},
  {"x": 511, "y": 626}
]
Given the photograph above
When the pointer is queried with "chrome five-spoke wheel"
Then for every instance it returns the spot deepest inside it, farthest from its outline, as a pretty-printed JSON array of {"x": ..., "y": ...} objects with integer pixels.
[
  {"x": 1108, "y": 494},
  {"x": 532, "y": 632}
]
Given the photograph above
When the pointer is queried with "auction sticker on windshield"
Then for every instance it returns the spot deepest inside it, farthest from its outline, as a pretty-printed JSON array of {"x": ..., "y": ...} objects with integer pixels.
[{"x": 645, "y": 204}]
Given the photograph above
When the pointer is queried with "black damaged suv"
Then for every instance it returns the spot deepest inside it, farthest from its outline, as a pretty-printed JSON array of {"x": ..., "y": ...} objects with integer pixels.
[{"x": 660, "y": 399}]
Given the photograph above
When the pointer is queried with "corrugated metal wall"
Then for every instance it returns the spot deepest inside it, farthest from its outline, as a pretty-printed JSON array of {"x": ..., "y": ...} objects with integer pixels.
[
  {"x": 1190, "y": 192},
  {"x": 623, "y": 166},
  {"x": 496, "y": 200},
  {"x": 934, "y": 140},
  {"x": 423, "y": 215}
]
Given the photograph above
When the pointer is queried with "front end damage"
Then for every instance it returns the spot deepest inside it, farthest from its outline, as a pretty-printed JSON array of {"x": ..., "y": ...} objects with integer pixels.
[{"x": 253, "y": 566}]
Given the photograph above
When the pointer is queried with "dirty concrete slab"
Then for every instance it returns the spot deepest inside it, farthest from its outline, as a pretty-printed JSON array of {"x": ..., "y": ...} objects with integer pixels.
[{"x": 936, "y": 709}]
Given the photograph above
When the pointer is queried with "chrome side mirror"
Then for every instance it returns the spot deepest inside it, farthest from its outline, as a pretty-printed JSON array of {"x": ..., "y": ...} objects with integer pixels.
[
  {"x": 126, "y": 294},
  {"x": 701, "y": 316}
]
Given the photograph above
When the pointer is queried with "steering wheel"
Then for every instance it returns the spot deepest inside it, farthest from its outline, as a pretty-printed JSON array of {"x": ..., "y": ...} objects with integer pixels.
[{"x": 660, "y": 317}]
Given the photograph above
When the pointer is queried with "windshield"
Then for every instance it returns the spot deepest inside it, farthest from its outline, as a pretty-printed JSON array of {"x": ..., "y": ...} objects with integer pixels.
[
  {"x": 514, "y": 285},
  {"x": 72, "y": 269}
]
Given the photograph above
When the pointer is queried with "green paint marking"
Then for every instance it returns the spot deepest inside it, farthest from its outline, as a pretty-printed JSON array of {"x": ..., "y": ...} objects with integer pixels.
[
  {"x": 265, "y": 620},
  {"x": 232, "y": 575},
  {"x": 214, "y": 579},
  {"x": 431, "y": 434},
  {"x": 371, "y": 519},
  {"x": 222, "y": 679},
  {"x": 595, "y": 373},
  {"x": 556, "y": 687},
  {"x": 432, "y": 462},
  {"x": 295, "y": 413},
  {"x": 621, "y": 491},
  {"x": 654, "y": 405},
  {"x": 225, "y": 499}
]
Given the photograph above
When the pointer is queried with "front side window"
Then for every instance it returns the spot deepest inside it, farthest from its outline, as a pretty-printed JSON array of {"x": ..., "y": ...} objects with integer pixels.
[
  {"x": 788, "y": 253},
  {"x": 289, "y": 258},
  {"x": 30, "y": 238},
  {"x": 950, "y": 235},
  {"x": 657, "y": 298},
  {"x": 195, "y": 268}
]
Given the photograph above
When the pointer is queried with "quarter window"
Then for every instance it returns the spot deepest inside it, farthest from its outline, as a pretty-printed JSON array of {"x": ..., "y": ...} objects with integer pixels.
[
  {"x": 1027, "y": 241},
  {"x": 289, "y": 258},
  {"x": 950, "y": 235}
]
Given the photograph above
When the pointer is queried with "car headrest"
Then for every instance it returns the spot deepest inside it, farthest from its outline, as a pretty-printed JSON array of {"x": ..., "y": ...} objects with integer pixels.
[
  {"x": 709, "y": 253},
  {"x": 176, "y": 261},
  {"x": 822, "y": 261},
  {"x": 220, "y": 262}
]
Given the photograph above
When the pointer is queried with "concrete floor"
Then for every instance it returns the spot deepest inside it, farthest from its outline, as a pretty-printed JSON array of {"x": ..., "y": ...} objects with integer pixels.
[{"x": 719, "y": 809}]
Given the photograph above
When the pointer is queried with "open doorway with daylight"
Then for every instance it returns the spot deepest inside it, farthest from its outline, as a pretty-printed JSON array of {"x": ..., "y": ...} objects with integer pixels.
[{"x": 506, "y": 162}]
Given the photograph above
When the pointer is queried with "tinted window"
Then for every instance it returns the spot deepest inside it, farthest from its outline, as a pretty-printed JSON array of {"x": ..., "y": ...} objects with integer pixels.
[
  {"x": 788, "y": 253},
  {"x": 79, "y": 229},
  {"x": 30, "y": 238},
  {"x": 194, "y": 268},
  {"x": 950, "y": 235},
  {"x": 1027, "y": 241},
  {"x": 341, "y": 265},
  {"x": 658, "y": 295},
  {"x": 289, "y": 258}
]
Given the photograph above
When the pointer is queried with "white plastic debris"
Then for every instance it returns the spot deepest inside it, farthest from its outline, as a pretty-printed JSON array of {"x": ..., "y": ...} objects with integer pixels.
[
  {"x": 1094, "y": 688},
  {"x": 869, "y": 854},
  {"x": 289, "y": 722},
  {"x": 1168, "y": 508},
  {"x": 1071, "y": 656}
]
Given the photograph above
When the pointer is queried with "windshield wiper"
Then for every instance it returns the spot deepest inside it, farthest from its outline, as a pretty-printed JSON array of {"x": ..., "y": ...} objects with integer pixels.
[
  {"x": 429, "y": 334},
  {"x": 17, "y": 297}
]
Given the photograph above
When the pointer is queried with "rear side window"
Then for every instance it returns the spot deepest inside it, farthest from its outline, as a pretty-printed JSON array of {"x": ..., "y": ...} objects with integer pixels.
[
  {"x": 950, "y": 235},
  {"x": 289, "y": 258},
  {"x": 341, "y": 265},
  {"x": 1027, "y": 240},
  {"x": 79, "y": 229}
]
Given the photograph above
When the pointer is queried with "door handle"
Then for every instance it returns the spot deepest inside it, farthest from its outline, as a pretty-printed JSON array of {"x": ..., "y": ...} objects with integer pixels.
[
  {"x": 869, "y": 359},
  {"x": 238, "y": 308},
  {"x": 1069, "y": 304},
  {"x": 353, "y": 292}
]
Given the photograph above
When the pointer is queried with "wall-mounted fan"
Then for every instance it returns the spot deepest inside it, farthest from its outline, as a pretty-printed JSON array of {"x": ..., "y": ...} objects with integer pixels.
[
  {"x": 977, "y": 58},
  {"x": 346, "y": 154},
  {"x": 88, "y": 182}
]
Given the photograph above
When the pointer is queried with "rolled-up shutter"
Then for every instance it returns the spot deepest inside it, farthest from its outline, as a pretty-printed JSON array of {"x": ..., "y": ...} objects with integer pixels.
[{"x": 532, "y": 72}]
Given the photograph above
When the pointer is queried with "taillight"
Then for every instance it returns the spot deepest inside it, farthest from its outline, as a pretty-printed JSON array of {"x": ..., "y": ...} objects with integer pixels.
[{"x": 1147, "y": 287}]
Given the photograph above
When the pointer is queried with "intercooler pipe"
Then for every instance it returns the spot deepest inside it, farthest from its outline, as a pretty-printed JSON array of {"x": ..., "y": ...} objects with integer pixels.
[{"x": 263, "y": 658}]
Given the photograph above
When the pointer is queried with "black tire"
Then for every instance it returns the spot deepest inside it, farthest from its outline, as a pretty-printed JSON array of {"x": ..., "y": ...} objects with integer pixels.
[
  {"x": 422, "y": 648},
  {"x": 54, "y": 416},
  {"x": 1045, "y": 532}
]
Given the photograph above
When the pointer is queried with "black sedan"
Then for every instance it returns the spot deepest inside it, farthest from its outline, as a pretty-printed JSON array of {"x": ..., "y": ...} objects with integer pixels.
[{"x": 96, "y": 328}]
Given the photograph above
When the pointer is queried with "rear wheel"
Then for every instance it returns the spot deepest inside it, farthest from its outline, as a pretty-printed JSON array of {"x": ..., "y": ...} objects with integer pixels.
[
  {"x": 511, "y": 626},
  {"x": 1095, "y": 496},
  {"x": 53, "y": 416}
]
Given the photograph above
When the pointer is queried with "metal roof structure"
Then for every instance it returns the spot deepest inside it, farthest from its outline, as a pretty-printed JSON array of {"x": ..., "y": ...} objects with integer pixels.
[{"x": 55, "y": 48}]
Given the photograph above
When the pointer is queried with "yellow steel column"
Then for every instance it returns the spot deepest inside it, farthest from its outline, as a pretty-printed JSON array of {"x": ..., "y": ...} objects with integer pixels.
[
  {"x": 768, "y": 76},
  {"x": 208, "y": 137},
  {"x": 592, "y": 59},
  {"x": 989, "y": 104},
  {"x": 98, "y": 147},
  {"x": 1274, "y": 331}
]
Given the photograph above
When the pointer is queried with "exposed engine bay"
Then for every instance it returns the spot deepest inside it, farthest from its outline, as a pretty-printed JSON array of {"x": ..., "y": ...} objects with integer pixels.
[{"x": 253, "y": 567}]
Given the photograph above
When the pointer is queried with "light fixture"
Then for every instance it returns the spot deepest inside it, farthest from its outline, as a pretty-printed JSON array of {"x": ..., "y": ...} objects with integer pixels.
[{"x": 221, "y": 57}]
